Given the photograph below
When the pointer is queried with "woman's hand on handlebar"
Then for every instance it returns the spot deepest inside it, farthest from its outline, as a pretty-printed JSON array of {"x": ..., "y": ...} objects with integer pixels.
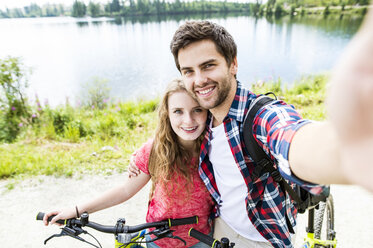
[{"x": 64, "y": 214}]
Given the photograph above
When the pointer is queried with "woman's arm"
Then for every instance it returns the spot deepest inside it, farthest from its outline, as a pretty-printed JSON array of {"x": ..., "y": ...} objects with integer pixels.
[{"x": 108, "y": 199}]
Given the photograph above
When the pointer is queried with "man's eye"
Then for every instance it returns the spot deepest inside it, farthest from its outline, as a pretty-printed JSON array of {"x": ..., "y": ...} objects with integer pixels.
[
  {"x": 209, "y": 66},
  {"x": 188, "y": 72}
]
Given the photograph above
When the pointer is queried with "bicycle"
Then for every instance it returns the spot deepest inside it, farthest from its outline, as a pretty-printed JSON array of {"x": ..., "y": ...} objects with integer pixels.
[
  {"x": 317, "y": 236},
  {"x": 125, "y": 236}
]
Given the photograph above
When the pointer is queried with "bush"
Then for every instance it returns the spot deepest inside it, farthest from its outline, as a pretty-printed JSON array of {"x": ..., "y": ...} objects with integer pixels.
[
  {"x": 15, "y": 112},
  {"x": 74, "y": 130},
  {"x": 60, "y": 121},
  {"x": 95, "y": 94}
]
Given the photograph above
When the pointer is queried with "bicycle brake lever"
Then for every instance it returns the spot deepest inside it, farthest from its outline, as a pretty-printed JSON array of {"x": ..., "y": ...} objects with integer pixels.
[
  {"x": 53, "y": 236},
  {"x": 71, "y": 232},
  {"x": 177, "y": 237},
  {"x": 66, "y": 231},
  {"x": 166, "y": 233}
]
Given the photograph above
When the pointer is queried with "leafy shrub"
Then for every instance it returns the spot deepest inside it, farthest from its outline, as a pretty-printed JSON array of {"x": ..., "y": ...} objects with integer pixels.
[
  {"x": 95, "y": 94},
  {"x": 74, "y": 130},
  {"x": 60, "y": 121},
  {"x": 13, "y": 103}
]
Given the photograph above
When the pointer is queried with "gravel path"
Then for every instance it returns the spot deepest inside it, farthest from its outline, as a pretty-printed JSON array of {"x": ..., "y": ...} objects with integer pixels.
[{"x": 19, "y": 206}]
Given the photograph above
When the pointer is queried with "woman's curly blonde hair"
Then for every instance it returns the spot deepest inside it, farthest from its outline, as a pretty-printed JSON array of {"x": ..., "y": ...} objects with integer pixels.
[{"x": 168, "y": 157}]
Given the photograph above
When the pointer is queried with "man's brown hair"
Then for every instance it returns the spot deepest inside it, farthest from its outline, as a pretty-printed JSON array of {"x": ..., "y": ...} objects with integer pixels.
[{"x": 201, "y": 30}]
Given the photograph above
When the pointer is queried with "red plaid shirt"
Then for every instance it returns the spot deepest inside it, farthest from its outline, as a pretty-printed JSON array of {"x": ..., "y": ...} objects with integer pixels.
[{"x": 274, "y": 126}]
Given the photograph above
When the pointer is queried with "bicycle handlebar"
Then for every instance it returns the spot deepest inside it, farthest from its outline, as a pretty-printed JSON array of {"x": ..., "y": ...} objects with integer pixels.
[
  {"x": 123, "y": 228},
  {"x": 202, "y": 237},
  {"x": 213, "y": 243}
]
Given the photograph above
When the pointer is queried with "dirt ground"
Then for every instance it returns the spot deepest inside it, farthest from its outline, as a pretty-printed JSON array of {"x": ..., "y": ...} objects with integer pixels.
[{"x": 19, "y": 206}]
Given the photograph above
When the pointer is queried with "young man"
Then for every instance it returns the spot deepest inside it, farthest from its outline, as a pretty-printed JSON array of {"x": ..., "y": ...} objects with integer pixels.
[{"x": 251, "y": 213}]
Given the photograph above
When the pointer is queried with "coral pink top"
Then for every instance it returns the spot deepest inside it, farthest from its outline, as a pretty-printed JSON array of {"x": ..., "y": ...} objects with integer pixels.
[{"x": 177, "y": 202}]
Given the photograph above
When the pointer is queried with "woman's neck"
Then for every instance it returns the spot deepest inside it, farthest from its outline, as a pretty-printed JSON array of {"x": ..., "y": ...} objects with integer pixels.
[{"x": 189, "y": 147}]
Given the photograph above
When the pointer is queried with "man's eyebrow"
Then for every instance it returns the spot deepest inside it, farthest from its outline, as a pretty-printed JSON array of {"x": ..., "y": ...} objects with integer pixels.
[
  {"x": 185, "y": 68},
  {"x": 207, "y": 62},
  {"x": 200, "y": 65}
]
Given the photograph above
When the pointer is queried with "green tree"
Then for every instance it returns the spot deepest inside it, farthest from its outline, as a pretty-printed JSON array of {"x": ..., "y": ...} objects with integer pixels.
[
  {"x": 115, "y": 6},
  {"x": 279, "y": 10},
  {"x": 94, "y": 9},
  {"x": 143, "y": 6},
  {"x": 61, "y": 9},
  {"x": 79, "y": 9},
  {"x": 16, "y": 13}
]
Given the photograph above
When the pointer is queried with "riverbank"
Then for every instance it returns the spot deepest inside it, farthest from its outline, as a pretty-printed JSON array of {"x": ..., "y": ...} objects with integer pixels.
[
  {"x": 18, "y": 208},
  {"x": 69, "y": 141}
]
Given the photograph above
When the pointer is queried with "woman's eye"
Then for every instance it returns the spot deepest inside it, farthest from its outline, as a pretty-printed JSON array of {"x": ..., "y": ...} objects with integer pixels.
[
  {"x": 198, "y": 110},
  {"x": 178, "y": 111}
]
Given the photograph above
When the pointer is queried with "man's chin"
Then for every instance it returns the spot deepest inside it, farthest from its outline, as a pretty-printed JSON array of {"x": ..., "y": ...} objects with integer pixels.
[{"x": 207, "y": 105}]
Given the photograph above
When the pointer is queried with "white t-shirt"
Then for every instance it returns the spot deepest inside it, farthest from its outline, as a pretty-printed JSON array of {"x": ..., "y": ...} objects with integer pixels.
[{"x": 231, "y": 186}]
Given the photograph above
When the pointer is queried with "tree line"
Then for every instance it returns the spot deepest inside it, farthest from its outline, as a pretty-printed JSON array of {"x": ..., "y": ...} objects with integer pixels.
[
  {"x": 161, "y": 7},
  {"x": 125, "y": 8}
]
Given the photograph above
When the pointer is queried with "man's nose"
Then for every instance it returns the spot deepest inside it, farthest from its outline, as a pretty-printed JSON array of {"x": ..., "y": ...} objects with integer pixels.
[{"x": 200, "y": 79}]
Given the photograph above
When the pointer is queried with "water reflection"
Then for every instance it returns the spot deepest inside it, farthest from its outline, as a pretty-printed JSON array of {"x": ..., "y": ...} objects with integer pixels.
[{"x": 133, "y": 54}]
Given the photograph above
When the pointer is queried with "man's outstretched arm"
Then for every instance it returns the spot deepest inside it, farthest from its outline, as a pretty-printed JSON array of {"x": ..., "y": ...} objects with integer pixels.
[{"x": 344, "y": 143}]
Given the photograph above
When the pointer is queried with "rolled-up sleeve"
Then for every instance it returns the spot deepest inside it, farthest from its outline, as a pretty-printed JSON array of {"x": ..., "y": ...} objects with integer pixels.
[{"x": 275, "y": 126}]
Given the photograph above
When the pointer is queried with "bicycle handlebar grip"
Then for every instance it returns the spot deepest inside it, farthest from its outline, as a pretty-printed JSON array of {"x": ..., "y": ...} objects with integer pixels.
[
  {"x": 183, "y": 221},
  {"x": 40, "y": 216},
  {"x": 203, "y": 237}
]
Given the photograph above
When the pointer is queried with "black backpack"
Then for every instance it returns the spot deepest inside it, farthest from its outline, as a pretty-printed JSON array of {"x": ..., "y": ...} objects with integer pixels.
[{"x": 263, "y": 163}]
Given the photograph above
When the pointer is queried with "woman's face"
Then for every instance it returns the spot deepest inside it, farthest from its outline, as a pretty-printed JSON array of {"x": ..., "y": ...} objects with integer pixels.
[{"x": 186, "y": 116}]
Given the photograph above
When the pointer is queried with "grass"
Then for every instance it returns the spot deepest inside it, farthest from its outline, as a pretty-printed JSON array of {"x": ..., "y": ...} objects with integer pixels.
[
  {"x": 307, "y": 94},
  {"x": 68, "y": 141}
]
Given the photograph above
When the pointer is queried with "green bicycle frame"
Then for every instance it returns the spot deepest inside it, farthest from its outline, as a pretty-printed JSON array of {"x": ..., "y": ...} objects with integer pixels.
[
  {"x": 311, "y": 241},
  {"x": 140, "y": 235}
]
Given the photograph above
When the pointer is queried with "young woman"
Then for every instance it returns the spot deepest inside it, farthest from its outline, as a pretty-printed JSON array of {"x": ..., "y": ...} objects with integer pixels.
[{"x": 170, "y": 160}]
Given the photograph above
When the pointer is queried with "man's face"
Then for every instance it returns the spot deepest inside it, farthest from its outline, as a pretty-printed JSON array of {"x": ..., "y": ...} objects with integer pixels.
[{"x": 205, "y": 73}]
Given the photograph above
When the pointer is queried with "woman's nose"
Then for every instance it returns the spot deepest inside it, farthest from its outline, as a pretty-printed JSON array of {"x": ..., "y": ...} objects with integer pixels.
[{"x": 188, "y": 118}]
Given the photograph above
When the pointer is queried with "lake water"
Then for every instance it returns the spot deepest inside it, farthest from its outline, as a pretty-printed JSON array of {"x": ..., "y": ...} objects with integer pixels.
[{"x": 134, "y": 57}]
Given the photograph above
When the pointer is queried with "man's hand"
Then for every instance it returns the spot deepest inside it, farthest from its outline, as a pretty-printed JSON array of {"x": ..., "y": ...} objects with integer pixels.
[
  {"x": 350, "y": 105},
  {"x": 132, "y": 169}
]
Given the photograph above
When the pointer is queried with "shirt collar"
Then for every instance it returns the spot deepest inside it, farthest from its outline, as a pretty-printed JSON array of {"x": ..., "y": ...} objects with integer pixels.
[
  {"x": 240, "y": 103},
  {"x": 238, "y": 107}
]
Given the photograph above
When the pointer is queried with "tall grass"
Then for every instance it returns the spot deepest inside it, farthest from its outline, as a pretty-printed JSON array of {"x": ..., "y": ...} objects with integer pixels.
[
  {"x": 67, "y": 140},
  {"x": 307, "y": 94}
]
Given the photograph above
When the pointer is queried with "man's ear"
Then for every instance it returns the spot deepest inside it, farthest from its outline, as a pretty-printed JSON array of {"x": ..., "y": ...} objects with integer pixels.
[{"x": 234, "y": 66}]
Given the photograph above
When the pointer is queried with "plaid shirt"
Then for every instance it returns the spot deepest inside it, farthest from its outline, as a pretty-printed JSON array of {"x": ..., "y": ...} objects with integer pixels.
[{"x": 274, "y": 126}]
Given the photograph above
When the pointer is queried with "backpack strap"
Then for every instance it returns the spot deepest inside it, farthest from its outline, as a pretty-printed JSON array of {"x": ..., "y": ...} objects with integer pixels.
[{"x": 263, "y": 163}]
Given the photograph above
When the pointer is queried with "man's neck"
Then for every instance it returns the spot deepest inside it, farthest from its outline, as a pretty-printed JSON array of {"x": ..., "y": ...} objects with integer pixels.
[{"x": 221, "y": 111}]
